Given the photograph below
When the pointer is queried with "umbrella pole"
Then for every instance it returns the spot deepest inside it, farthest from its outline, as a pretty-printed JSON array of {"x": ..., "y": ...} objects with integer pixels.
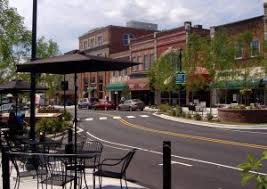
[
  {"x": 33, "y": 75},
  {"x": 16, "y": 104},
  {"x": 75, "y": 125}
]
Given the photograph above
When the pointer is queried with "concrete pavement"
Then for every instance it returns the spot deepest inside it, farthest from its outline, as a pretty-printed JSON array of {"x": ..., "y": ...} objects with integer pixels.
[{"x": 31, "y": 183}]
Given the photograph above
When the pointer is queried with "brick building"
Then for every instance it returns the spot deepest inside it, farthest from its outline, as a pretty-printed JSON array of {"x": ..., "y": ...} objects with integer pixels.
[
  {"x": 103, "y": 42},
  {"x": 257, "y": 26},
  {"x": 146, "y": 50}
]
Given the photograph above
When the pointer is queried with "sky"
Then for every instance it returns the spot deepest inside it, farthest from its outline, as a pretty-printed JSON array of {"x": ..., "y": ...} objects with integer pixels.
[{"x": 65, "y": 20}]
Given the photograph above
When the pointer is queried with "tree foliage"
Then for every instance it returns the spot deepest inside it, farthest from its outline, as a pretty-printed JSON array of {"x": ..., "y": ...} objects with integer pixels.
[
  {"x": 14, "y": 41},
  {"x": 15, "y": 48},
  {"x": 162, "y": 73},
  {"x": 251, "y": 171}
]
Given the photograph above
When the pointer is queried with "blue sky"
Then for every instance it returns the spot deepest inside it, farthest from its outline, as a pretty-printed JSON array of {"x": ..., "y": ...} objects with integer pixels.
[{"x": 65, "y": 20}]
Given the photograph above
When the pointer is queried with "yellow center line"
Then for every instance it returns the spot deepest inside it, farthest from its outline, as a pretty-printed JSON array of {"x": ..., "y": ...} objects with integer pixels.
[{"x": 187, "y": 136}]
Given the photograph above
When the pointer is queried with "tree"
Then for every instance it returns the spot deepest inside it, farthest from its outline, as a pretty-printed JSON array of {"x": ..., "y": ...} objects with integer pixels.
[
  {"x": 162, "y": 74},
  {"x": 47, "y": 49},
  {"x": 194, "y": 58},
  {"x": 14, "y": 41}
]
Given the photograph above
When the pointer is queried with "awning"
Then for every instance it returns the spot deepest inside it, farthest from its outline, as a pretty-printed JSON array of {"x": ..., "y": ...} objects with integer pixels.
[
  {"x": 236, "y": 84},
  {"x": 117, "y": 87}
]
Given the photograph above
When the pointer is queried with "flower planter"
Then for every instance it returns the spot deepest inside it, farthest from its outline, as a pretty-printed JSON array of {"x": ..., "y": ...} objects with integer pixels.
[{"x": 243, "y": 116}]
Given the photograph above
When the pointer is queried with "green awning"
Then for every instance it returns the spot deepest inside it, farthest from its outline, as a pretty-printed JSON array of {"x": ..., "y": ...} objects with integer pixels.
[
  {"x": 117, "y": 87},
  {"x": 236, "y": 84}
]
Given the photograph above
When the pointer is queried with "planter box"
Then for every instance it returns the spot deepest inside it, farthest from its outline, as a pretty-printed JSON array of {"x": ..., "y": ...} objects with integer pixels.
[
  {"x": 48, "y": 111},
  {"x": 243, "y": 116}
]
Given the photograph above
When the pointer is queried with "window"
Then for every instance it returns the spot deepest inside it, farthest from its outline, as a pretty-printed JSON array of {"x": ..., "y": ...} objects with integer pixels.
[
  {"x": 100, "y": 40},
  {"x": 134, "y": 68},
  {"x": 140, "y": 66},
  {"x": 92, "y": 42},
  {"x": 238, "y": 50},
  {"x": 151, "y": 59},
  {"x": 85, "y": 44},
  {"x": 127, "y": 38},
  {"x": 100, "y": 79},
  {"x": 255, "y": 48},
  {"x": 146, "y": 62}
]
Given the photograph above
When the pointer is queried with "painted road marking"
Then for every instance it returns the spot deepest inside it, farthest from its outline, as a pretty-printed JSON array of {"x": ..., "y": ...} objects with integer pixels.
[
  {"x": 89, "y": 119},
  {"x": 188, "y": 136},
  {"x": 177, "y": 162},
  {"x": 130, "y": 117},
  {"x": 144, "y": 116},
  {"x": 195, "y": 137},
  {"x": 116, "y": 117},
  {"x": 175, "y": 156},
  {"x": 103, "y": 118}
]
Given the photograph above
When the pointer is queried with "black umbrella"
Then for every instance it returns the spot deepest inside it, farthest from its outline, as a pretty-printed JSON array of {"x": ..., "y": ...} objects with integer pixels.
[
  {"x": 17, "y": 86},
  {"x": 73, "y": 62}
]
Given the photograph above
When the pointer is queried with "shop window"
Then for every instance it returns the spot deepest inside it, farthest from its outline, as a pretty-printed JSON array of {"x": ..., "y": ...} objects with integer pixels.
[
  {"x": 255, "y": 48},
  {"x": 100, "y": 79}
]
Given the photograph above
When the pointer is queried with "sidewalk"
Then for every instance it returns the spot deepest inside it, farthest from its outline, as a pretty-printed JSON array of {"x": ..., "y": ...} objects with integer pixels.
[
  {"x": 214, "y": 125},
  {"x": 30, "y": 183}
]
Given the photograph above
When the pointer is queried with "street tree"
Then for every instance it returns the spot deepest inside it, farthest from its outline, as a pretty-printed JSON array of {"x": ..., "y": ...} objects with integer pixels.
[
  {"x": 162, "y": 74},
  {"x": 14, "y": 41},
  {"x": 194, "y": 59}
]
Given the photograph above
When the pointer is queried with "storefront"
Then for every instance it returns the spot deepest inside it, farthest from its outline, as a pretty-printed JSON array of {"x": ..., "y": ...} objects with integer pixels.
[
  {"x": 140, "y": 90},
  {"x": 117, "y": 90}
]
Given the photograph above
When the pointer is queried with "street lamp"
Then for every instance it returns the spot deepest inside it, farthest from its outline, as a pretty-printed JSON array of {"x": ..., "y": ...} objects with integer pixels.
[{"x": 180, "y": 70}]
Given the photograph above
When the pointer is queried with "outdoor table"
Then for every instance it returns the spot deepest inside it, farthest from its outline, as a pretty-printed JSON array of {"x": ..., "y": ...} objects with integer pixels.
[{"x": 45, "y": 146}]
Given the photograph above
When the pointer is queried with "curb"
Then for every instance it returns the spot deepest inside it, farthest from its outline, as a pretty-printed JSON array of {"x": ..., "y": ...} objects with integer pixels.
[{"x": 213, "y": 125}]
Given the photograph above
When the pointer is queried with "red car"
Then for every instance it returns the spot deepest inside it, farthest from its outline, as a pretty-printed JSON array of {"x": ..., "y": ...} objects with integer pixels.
[{"x": 103, "y": 105}]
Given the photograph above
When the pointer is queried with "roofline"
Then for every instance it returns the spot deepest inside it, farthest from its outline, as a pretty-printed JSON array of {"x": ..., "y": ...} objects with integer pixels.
[
  {"x": 239, "y": 21},
  {"x": 112, "y": 26}
]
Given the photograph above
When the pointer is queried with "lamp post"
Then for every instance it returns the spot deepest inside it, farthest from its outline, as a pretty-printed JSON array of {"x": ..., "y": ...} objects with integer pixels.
[{"x": 180, "y": 70}]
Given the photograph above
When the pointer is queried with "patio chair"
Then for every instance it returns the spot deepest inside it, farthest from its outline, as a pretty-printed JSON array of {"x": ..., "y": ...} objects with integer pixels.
[
  {"x": 25, "y": 166},
  {"x": 91, "y": 147},
  {"x": 57, "y": 173},
  {"x": 122, "y": 163}
]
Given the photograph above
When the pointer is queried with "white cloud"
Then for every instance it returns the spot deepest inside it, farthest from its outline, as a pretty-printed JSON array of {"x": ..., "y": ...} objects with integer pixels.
[{"x": 65, "y": 20}]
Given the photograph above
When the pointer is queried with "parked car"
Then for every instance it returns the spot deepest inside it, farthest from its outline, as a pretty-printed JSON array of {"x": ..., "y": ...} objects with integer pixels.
[
  {"x": 103, "y": 105},
  {"x": 87, "y": 103},
  {"x": 132, "y": 105}
]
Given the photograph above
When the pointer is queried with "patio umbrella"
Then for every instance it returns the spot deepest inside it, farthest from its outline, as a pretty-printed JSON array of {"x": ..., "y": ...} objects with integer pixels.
[
  {"x": 72, "y": 63},
  {"x": 17, "y": 86}
]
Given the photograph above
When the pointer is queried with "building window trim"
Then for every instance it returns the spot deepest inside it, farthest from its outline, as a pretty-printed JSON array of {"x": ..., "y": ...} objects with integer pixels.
[{"x": 257, "y": 48}]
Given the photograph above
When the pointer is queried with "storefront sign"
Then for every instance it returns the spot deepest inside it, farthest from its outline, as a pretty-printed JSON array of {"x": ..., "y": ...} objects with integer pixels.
[{"x": 180, "y": 78}]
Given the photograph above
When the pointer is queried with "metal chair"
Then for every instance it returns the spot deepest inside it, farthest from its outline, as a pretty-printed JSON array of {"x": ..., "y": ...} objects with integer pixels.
[
  {"x": 123, "y": 163},
  {"x": 91, "y": 147},
  {"x": 57, "y": 172}
]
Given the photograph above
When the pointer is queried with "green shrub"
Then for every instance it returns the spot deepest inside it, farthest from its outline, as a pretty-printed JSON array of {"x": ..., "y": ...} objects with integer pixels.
[
  {"x": 188, "y": 115},
  {"x": 178, "y": 111},
  {"x": 51, "y": 126},
  {"x": 209, "y": 116},
  {"x": 67, "y": 116},
  {"x": 183, "y": 114},
  {"x": 164, "y": 108},
  {"x": 197, "y": 117}
]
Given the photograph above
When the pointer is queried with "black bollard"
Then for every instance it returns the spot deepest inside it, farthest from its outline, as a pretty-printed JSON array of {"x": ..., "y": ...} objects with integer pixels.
[
  {"x": 5, "y": 167},
  {"x": 167, "y": 165}
]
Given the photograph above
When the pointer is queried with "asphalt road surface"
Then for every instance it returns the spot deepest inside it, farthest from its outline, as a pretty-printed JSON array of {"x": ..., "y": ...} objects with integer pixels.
[{"x": 204, "y": 158}]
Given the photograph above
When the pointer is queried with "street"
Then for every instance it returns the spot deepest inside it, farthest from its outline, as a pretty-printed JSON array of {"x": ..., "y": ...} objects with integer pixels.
[{"x": 201, "y": 157}]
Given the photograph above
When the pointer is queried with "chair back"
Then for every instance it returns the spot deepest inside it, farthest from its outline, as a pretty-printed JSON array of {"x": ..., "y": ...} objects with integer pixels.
[
  {"x": 92, "y": 147},
  {"x": 127, "y": 160}
]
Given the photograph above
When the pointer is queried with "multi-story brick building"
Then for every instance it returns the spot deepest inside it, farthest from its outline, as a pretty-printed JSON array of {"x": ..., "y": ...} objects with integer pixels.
[
  {"x": 146, "y": 50},
  {"x": 103, "y": 42},
  {"x": 257, "y": 26}
]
